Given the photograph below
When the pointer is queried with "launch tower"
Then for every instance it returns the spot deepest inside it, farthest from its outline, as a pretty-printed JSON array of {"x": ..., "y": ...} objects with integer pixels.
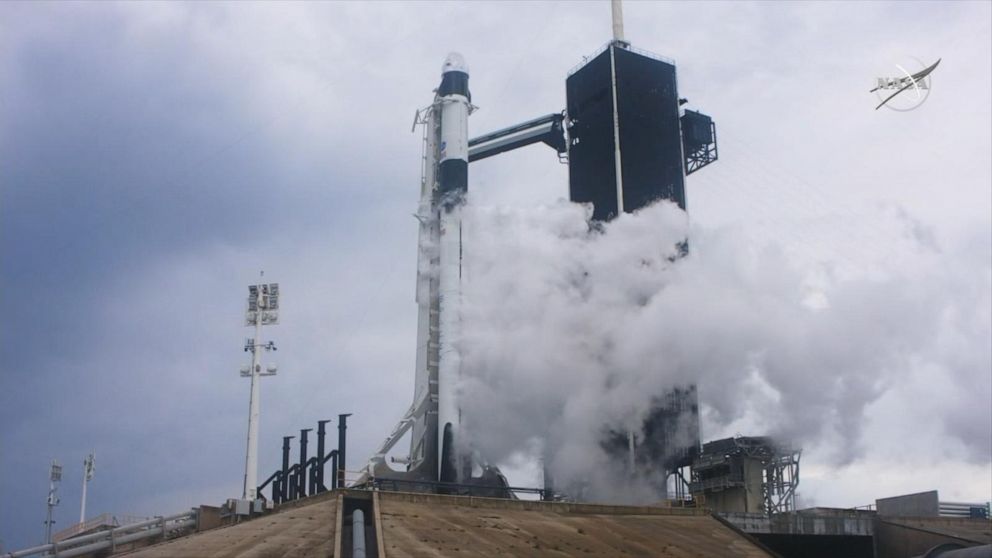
[{"x": 628, "y": 144}]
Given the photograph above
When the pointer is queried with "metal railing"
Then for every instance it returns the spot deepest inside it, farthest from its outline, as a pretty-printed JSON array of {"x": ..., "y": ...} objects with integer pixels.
[
  {"x": 863, "y": 507},
  {"x": 102, "y": 520},
  {"x": 111, "y": 538},
  {"x": 403, "y": 485},
  {"x": 717, "y": 483},
  {"x": 627, "y": 46}
]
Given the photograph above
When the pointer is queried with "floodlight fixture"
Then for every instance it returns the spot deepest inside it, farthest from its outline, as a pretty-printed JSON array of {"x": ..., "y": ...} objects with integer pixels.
[
  {"x": 263, "y": 304},
  {"x": 89, "y": 466}
]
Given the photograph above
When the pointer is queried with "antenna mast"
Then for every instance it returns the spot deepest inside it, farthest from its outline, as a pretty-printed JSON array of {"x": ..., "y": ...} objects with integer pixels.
[{"x": 618, "y": 22}]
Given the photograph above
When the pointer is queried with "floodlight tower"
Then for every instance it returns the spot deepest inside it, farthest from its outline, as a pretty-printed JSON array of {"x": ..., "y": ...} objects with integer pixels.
[
  {"x": 55, "y": 477},
  {"x": 87, "y": 476},
  {"x": 263, "y": 309}
]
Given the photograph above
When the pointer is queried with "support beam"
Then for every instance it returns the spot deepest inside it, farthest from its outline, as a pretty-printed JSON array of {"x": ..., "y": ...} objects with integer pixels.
[{"x": 545, "y": 129}]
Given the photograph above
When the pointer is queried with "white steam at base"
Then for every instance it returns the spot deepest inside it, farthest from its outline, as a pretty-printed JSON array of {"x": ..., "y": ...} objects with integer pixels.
[{"x": 567, "y": 329}]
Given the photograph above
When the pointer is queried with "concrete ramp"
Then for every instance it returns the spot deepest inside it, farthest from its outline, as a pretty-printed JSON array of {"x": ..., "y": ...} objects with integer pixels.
[
  {"x": 416, "y": 525},
  {"x": 428, "y": 525},
  {"x": 305, "y": 529}
]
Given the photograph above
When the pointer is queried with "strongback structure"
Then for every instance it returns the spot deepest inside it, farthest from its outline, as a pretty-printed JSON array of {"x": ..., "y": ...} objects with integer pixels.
[{"x": 628, "y": 144}]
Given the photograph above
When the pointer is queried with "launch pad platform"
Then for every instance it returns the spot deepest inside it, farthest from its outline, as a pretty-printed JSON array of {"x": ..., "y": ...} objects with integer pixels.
[{"x": 401, "y": 524}]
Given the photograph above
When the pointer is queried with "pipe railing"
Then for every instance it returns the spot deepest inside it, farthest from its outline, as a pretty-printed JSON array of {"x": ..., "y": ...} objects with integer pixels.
[
  {"x": 306, "y": 477},
  {"x": 104, "y": 519},
  {"x": 110, "y": 539},
  {"x": 403, "y": 485}
]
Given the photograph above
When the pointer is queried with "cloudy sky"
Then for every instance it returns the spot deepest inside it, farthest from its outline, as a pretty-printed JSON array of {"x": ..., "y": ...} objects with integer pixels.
[{"x": 155, "y": 157}]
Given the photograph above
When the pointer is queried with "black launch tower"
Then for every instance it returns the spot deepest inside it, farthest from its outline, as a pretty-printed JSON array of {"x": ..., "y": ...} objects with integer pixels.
[
  {"x": 628, "y": 143},
  {"x": 640, "y": 115}
]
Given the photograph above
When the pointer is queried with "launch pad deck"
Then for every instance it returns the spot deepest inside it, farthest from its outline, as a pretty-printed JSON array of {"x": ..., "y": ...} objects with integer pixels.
[{"x": 428, "y": 525}]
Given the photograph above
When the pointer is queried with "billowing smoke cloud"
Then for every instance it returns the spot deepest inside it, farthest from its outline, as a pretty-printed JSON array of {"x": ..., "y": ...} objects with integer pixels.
[{"x": 567, "y": 328}]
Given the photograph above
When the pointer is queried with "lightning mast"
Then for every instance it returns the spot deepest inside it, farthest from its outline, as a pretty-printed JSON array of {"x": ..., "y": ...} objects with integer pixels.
[{"x": 263, "y": 309}]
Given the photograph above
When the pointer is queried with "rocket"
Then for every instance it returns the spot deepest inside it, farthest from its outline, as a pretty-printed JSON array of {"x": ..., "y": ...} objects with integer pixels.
[
  {"x": 452, "y": 185},
  {"x": 433, "y": 418}
]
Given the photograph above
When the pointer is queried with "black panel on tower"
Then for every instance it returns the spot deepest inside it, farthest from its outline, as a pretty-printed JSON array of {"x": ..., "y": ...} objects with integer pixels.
[
  {"x": 591, "y": 171},
  {"x": 645, "y": 103},
  {"x": 647, "y": 106},
  {"x": 650, "y": 140}
]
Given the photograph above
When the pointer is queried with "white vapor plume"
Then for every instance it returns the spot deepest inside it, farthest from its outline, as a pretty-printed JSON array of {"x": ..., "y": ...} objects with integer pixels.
[{"x": 567, "y": 328}]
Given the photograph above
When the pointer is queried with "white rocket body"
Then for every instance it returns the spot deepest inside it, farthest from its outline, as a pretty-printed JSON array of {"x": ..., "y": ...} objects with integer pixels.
[
  {"x": 440, "y": 274},
  {"x": 452, "y": 188},
  {"x": 449, "y": 361}
]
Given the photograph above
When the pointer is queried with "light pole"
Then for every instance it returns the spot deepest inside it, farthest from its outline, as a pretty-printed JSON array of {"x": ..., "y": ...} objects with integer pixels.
[
  {"x": 263, "y": 309},
  {"x": 87, "y": 476},
  {"x": 55, "y": 477}
]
